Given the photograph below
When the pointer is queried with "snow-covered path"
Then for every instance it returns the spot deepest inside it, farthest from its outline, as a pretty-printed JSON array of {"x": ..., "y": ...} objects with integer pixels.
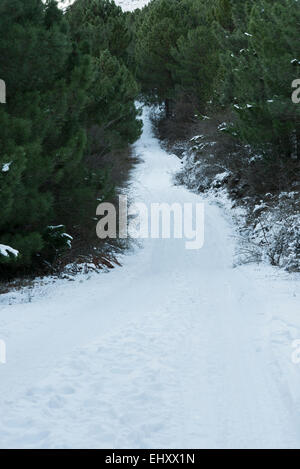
[{"x": 176, "y": 349}]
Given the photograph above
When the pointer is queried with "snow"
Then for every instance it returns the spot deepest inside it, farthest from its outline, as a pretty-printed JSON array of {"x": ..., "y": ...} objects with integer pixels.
[
  {"x": 57, "y": 227},
  {"x": 131, "y": 5},
  {"x": 197, "y": 137},
  {"x": 7, "y": 250},
  {"x": 222, "y": 176},
  {"x": 6, "y": 167},
  {"x": 175, "y": 349},
  {"x": 66, "y": 235},
  {"x": 127, "y": 5}
]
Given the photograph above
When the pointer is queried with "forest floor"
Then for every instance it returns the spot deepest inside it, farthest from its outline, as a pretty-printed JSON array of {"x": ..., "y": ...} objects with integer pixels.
[{"x": 176, "y": 348}]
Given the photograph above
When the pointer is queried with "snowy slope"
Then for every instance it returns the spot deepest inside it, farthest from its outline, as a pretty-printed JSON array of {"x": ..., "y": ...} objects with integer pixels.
[
  {"x": 127, "y": 5},
  {"x": 175, "y": 349},
  {"x": 130, "y": 5}
]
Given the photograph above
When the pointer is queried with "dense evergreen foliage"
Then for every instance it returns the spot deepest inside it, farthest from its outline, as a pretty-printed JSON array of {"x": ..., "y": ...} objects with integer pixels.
[
  {"x": 262, "y": 54},
  {"x": 176, "y": 50},
  {"x": 245, "y": 53},
  {"x": 65, "y": 75},
  {"x": 240, "y": 54}
]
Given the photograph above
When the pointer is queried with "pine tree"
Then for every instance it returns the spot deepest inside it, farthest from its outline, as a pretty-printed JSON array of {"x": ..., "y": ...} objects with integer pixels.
[
  {"x": 160, "y": 27},
  {"x": 176, "y": 50},
  {"x": 30, "y": 52},
  {"x": 260, "y": 61},
  {"x": 196, "y": 64},
  {"x": 42, "y": 134},
  {"x": 111, "y": 102},
  {"x": 100, "y": 28},
  {"x": 63, "y": 77},
  {"x": 102, "y": 24}
]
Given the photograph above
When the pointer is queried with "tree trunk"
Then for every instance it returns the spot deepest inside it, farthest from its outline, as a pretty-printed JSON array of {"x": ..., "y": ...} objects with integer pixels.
[
  {"x": 294, "y": 142},
  {"x": 168, "y": 108}
]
